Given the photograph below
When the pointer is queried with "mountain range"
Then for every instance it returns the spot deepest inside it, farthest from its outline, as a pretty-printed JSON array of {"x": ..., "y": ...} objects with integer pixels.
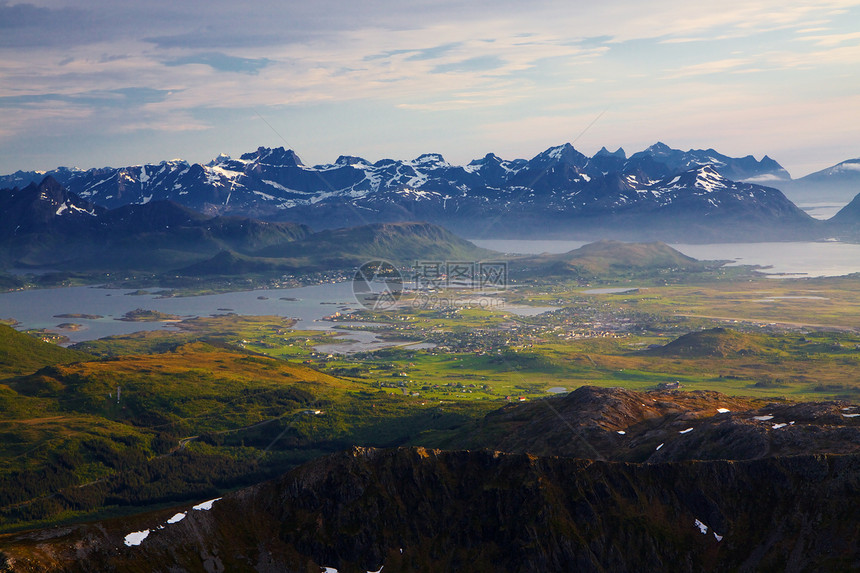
[
  {"x": 43, "y": 225},
  {"x": 658, "y": 193}
]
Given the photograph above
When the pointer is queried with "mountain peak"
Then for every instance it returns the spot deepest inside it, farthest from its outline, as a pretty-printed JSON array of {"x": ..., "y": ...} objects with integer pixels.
[
  {"x": 488, "y": 158},
  {"x": 427, "y": 159},
  {"x": 277, "y": 156},
  {"x": 606, "y": 153},
  {"x": 350, "y": 160},
  {"x": 222, "y": 158},
  {"x": 659, "y": 148}
]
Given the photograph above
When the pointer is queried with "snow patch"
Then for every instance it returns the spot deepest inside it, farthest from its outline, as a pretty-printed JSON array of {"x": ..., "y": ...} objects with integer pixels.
[
  {"x": 850, "y": 415},
  {"x": 718, "y": 537},
  {"x": 702, "y": 527},
  {"x": 136, "y": 537},
  {"x": 622, "y": 432},
  {"x": 206, "y": 505},
  {"x": 686, "y": 431},
  {"x": 762, "y": 418},
  {"x": 658, "y": 448},
  {"x": 778, "y": 426},
  {"x": 723, "y": 410},
  {"x": 177, "y": 518}
]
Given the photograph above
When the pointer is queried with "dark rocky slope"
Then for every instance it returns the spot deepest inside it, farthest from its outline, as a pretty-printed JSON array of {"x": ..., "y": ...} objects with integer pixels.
[{"x": 413, "y": 509}]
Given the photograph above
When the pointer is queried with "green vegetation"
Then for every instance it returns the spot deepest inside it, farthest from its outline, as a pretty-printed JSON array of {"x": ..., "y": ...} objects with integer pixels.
[{"x": 153, "y": 418}]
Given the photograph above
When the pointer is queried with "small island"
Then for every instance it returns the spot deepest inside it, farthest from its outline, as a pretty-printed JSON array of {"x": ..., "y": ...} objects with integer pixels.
[
  {"x": 79, "y": 315},
  {"x": 70, "y": 326},
  {"x": 143, "y": 315}
]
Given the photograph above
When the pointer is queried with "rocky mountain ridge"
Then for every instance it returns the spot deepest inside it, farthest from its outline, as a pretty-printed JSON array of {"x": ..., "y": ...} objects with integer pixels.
[{"x": 558, "y": 192}]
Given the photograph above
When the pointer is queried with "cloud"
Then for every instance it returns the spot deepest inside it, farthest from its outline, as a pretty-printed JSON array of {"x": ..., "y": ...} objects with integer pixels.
[
  {"x": 829, "y": 40},
  {"x": 459, "y": 65},
  {"x": 222, "y": 62},
  {"x": 123, "y": 97},
  {"x": 705, "y": 68},
  {"x": 476, "y": 64}
]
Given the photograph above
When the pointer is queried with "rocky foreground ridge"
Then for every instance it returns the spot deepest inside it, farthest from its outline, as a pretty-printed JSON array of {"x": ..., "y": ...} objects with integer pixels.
[{"x": 419, "y": 509}]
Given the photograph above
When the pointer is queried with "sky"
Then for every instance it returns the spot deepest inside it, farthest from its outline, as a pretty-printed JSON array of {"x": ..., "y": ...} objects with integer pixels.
[{"x": 113, "y": 83}]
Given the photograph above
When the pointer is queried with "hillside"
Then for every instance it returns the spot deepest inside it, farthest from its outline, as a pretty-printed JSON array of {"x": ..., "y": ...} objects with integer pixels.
[
  {"x": 608, "y": 258},
  {"x": 21, "y": 353},
  {"x": 720, "y": 342},
  {"x": 414, "y": 509},
  {"x": 397, "y": 242},
  {"x": 661, "y": 426}
]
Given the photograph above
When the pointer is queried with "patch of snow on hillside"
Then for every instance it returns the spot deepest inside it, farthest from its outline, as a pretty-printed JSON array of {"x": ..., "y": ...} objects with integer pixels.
[
  {"x": 280, "y": 187},
  {"x": 136, "y": 537},
  {"x": 709, "y": 180},
  {"x": 177, "y": 518},
  {"x": 265, "y": 196},
  {"x": 206, "y": 505},
  {"x": 702, "y": 527}
]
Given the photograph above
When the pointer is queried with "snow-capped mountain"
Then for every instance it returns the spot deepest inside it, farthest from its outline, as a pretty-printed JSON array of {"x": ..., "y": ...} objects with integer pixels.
[
  {"x": 838, "y": 184},
  {"x": 488, "y": 196},
  {"x": 45, "y": 207}
]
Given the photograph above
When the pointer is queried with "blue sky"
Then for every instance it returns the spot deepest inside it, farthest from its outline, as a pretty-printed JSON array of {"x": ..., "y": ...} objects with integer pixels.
[{"x": 103, "y": 82}]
